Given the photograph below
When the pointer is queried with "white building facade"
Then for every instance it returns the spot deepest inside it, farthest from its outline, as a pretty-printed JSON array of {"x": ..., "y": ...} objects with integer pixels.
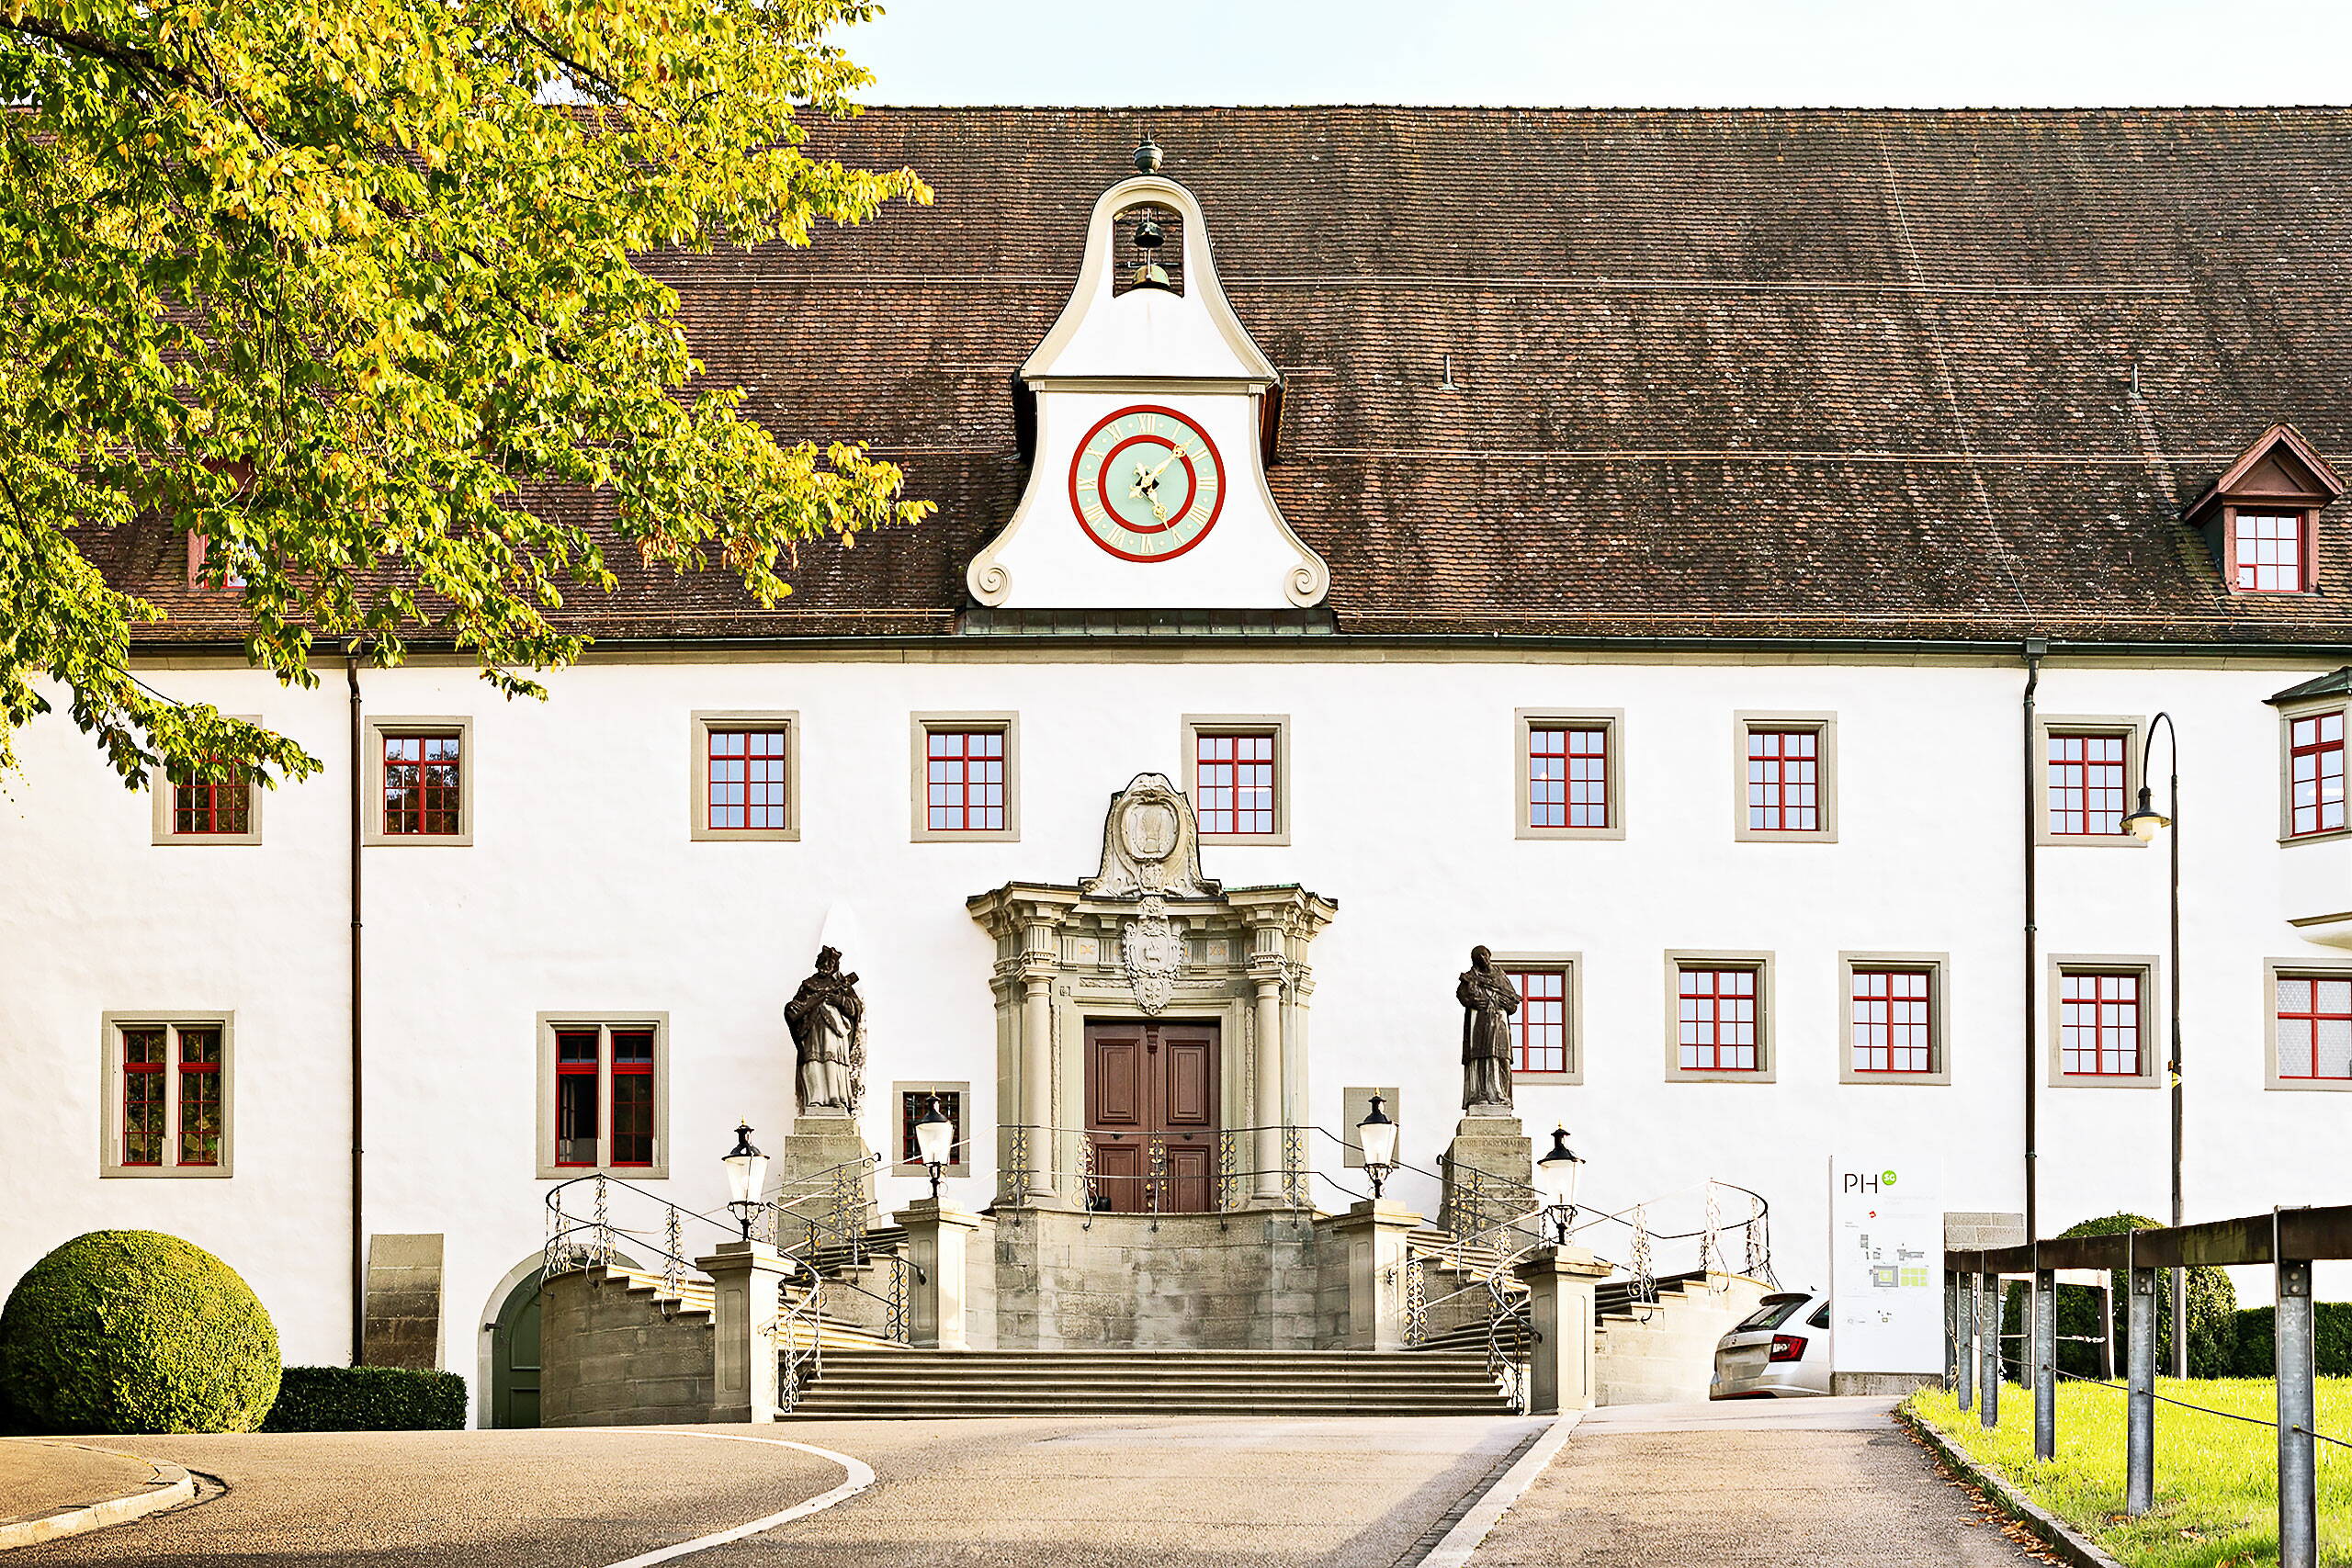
[{"x": 1762, "y": 888}]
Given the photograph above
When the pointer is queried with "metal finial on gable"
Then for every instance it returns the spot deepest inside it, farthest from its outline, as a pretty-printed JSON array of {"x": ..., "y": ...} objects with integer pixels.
[{"x": 1147, "y": 155}]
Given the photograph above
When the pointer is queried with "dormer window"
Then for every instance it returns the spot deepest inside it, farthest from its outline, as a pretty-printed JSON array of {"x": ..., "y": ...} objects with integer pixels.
[
  {"x": 2261, "y": 516},
  {"x": 2268, "y": 554}
]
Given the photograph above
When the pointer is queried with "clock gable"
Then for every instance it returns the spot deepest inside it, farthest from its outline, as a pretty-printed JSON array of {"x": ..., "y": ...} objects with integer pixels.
[{"x": 1147, "y": 487}]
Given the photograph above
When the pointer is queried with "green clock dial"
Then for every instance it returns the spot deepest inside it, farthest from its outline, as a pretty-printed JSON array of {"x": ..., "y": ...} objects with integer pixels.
[{"x": 1147, "y": 484}]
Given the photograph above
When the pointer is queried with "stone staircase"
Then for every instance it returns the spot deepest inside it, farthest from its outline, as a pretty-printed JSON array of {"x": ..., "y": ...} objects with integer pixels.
[{"x": 902, "y": 1384}]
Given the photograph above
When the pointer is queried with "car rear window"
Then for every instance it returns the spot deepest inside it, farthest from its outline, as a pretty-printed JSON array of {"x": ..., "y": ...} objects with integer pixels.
[
  {"x": 1776, "y": 1311},
  {"x": 1821, "y": 1318}
]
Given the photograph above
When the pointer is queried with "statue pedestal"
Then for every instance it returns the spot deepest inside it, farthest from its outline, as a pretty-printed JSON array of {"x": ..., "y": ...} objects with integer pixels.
[
  {"x": 1487, "y": 1143},
  {"x": 825, "y": 1183}
]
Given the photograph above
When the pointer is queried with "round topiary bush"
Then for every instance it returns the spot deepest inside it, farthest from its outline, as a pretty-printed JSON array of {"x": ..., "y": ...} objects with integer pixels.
[{"x": 135, "y": 1331}]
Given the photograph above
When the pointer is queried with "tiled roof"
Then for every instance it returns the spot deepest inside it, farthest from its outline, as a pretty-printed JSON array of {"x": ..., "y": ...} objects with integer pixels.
[{"x": 1721, "y": 374}]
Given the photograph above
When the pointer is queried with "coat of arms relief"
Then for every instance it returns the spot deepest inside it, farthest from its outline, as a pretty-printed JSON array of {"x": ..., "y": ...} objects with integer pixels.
[{"x": 1151, "y": 852}]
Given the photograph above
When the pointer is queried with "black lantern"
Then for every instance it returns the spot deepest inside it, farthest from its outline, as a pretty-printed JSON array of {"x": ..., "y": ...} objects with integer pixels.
[
  {"x": 1555, "y": 1176},
  {"x": 1376, "y": 1135},
  {"x": 934, "y": 1141},
  {"x": 747, "y": 1173}
]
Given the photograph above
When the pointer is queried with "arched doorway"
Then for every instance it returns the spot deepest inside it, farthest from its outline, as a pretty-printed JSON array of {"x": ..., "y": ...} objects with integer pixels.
[{"x": 515, "y": 1357}]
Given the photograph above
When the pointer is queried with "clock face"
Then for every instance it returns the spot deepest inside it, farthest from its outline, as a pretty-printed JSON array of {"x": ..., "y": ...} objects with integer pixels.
[{"x": 1146, "y": 483}]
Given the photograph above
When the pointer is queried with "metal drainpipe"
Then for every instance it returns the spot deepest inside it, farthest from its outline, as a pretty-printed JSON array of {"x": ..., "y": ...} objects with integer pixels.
[
  {"x": 2034, "y": 649},
  {"x": 358, "y": 1052}
]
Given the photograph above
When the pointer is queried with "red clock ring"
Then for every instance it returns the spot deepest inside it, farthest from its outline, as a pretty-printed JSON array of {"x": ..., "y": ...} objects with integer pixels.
[{"x": 1216, "y": 509}]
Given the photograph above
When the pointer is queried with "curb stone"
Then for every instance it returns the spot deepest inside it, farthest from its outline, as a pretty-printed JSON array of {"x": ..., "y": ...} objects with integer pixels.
[
  {"x": 2056, "y": 1533},
  {"x": 1454, "y": 1549},
  {"x": 170, "y": 1486}
]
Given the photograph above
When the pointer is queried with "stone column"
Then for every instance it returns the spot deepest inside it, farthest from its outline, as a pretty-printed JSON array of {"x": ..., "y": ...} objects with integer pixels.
[
  {"x": 1267, "y": 1034},
  {"x": 1037, "y": 1081},
  {"x": 1560, "y": 1282},
  {"x": 745, "y": 1276},
  {"x": 1373, "y": 1233},
  {"x": 941, "y": 1242}
]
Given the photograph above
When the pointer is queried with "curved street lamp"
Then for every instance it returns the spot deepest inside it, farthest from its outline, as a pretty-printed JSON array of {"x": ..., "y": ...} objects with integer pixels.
[
  {"x": 2144, "y": 824},
  {"x": 1376, "y": 1135}
]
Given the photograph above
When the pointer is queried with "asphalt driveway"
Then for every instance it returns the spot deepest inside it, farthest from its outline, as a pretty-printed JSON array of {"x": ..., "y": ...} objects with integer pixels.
[{"x": 1338, "y": 1494}]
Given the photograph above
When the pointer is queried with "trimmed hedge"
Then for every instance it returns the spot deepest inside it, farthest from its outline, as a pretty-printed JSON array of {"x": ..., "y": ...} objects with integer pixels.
[
  {"x": 135, "y": 1331},
  {"x": 2213, "y": 1313},
  {"x": 367, "y": 1399},
  {"x": 2331, "y": 1341}
]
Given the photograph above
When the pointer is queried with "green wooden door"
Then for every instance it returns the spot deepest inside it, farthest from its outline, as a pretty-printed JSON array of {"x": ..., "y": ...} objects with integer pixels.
[{"x": 514, "y": 1358}]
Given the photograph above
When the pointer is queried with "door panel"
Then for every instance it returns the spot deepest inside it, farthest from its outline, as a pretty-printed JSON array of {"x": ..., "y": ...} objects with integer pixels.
[
  {"x": 514, "y": 1358},
  {"x": 1151, "y": 1115}
]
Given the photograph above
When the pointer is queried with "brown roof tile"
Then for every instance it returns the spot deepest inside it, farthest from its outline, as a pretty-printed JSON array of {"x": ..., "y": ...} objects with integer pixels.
[{"x": 1749, "y": 373}]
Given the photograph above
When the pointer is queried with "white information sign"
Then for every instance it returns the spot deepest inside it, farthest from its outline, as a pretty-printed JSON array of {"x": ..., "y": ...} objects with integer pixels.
[{"x": 1887, "y": 1263}]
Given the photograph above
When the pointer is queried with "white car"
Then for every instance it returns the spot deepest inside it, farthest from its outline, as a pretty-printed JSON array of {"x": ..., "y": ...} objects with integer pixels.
[{"x": 1778, "y": 1351}]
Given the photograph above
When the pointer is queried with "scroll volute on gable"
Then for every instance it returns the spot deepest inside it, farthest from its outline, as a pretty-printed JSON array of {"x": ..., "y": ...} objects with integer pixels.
[{"x": 2261, "y": 517}]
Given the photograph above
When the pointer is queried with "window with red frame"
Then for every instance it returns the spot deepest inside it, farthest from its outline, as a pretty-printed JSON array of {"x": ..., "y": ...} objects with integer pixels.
[
  {"x": 748, "y": 779},
  {"x": 421, "y": 793},
  {"x": 1568, "y": 776},
  {"x": 2314, "y": 1026},
  {"x": 203, "y": 805},
  {"x": 1892, "y": 1022},
  {"x": 1234, "y": 782},
  {"x": 2100, "y": 1023},
  {"x": 2084, "y": 787},
  {"x": 1539, "y": 1030},
  {"x": 173, "y": 1109},
  {"x": 604, "y": 1095},
  {"x": 1718, "y": 1029},
  {"x": 1783, "y": 781},
  {"x": 2316, "y": 773},
  {"x": 2268, "y": 551},
  {"x": 578, "y": 1072},
  {"x": 632, "y": 1097},
  {"x": 144, "y": 1051},
  {"x": 965, "y": 779}
]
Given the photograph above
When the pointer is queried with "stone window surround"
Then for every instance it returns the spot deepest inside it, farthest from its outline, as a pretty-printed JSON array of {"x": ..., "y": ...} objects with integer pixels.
[
  {"x": 2154, "y": 1042},
  {"x": 904, "y": 1087},
  {"x": 111, "y": 1076},
  {"x": 1825, "y": 727},
  {"x": 1939, "y": 968},
  {"x": 2287, "y": 714},
  {"x": 2273, "y": 971},
  {"x": 1571, "y": 966},
  {"x": 469, "y": 763},
  {"x": 920, "y": 729},
  {"x": 161, "y": 788},
  {"x": 1611, "y": 721},
  {"x": 1767, "y": 1053},
  {"x": 700, "y": 724},
  {"x": 1274, "y": 724},
  {"x": 604, "y": 1021},
  {"x": 2134, "y": 731}
]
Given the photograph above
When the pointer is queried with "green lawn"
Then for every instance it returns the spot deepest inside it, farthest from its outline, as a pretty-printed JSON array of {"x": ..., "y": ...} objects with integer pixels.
[{"x": 2217, "y": 1500}]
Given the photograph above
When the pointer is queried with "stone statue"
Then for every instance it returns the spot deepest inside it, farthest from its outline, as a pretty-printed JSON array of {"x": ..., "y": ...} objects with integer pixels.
[
  {"x": 827, "y": 1018},
  {"x": 1488, "y": 1001}
]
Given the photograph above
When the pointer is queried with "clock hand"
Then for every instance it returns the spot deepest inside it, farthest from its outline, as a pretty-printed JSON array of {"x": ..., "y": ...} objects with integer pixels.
[{"x": 1175, "y": 453}]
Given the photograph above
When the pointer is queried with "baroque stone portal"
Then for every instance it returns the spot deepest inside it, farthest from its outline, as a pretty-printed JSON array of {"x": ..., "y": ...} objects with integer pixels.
[
  {"x": 1149, "y": 936},
  {"x": 827, "y": 1018}
]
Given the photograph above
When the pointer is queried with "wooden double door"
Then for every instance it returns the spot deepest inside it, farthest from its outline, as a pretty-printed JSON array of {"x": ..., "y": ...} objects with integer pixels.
[{"x": 1151, "y": 1114}]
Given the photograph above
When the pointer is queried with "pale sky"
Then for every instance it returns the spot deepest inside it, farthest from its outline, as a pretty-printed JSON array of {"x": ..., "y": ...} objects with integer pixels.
[{"x": 1763, "y": 52}]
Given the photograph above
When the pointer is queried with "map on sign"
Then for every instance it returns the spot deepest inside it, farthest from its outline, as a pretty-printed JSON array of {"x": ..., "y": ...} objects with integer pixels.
[{"x": 1886, "y": 1257}]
